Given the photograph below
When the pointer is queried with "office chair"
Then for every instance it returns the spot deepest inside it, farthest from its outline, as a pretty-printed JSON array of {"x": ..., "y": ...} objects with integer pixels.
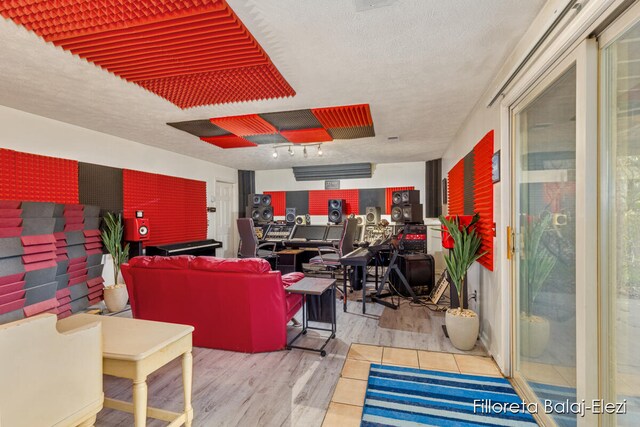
[
  {"x": 249, "y": 247},
  {"x": 329, "y": 257}
]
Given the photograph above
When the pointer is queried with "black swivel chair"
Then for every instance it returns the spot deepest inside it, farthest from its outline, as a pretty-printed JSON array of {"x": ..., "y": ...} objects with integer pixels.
[
  {"x": 249, "y": 247},
  {"x": 329, "y": 257}
]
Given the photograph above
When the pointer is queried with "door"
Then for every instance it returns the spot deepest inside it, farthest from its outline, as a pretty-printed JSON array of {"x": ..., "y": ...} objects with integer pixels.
[
  {"x": 554, "y": 216},
  {"x": 224, "y": 218},
  {"x": 620, "y": 225}
]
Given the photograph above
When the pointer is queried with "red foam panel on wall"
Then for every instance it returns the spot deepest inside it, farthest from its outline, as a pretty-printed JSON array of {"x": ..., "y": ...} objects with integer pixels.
[
  {"x": 483, "y": 196},
  {"x": 278, "y": 201},
  {"x": 176, "y": 207},
  {"x": 455, "y": 189},
  {"x": 190, "y": 52},
  {"x": 35, "y": 178},
  {"x": 345, "y": 116},
  {"x": 388, "y": 194},
  {"x": 319, "y": 199}
]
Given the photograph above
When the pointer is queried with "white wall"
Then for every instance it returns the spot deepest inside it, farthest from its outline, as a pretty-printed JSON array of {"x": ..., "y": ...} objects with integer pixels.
[
  {"x": 384, "y": 175},
  {"x": 30, "y": 133}
]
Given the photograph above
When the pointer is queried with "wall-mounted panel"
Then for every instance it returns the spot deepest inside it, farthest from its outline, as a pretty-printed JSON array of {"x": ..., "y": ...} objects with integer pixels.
[{"x": 100, "y": 186}]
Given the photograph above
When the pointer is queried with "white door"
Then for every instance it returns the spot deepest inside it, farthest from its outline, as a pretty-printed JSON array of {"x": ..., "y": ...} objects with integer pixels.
[{"x": 224, "y": 218}]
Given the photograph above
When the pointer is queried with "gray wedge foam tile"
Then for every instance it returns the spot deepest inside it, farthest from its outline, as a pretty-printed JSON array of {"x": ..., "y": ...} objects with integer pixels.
[
  {"x": 62, "y": 280},
  {"x": 352, "y": 132},
  {"x": 79, "y": 304},
  {"x": 75, "y": 238},
  {"x": 78, "y": 291},
  {"x": 37, "y": 209},
  {"x": 10, "y": 247},
  {"x": 40, "y": 293},
  {"x": 11, "y": 265},
  {"x": 266, "y": 139},
  {"x": 91, "y": 211},
  {"x": 200, "y": 128},
  {"x": 62, "y": 267},
  {"x": 94, "y": 260},
  {"x": 38, "y": 226},
  {"x": 11, "y": 316},
  {"x": 39, "y": 277},
  {"x": 59, "y": 226},
  {"x": 91, "y": 223},
  {"x": 76, "y": 251},
  {"x": 291, "y": 120},
  {"x": 96, "y": 271}
]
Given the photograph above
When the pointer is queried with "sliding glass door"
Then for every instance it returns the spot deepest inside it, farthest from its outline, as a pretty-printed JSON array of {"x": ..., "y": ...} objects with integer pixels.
[{"x": 621, "y": 219}]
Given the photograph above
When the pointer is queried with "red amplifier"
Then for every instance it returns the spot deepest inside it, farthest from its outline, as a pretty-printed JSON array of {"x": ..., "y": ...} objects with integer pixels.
[{"x": 136, "y": 229}]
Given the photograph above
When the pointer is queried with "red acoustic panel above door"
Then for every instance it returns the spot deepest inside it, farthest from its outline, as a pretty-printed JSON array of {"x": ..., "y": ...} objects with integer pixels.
[{"x": 190, "y": 52}]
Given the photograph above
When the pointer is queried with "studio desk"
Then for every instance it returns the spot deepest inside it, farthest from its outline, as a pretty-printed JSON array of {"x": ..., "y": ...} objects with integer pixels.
[{"x": 293, "y": 253}]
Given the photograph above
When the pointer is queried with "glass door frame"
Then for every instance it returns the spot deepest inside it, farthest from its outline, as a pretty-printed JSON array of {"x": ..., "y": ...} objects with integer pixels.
[{"x": 585, "y": 59}]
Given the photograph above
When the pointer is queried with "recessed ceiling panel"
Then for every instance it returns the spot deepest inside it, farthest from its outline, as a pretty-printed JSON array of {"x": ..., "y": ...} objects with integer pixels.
[
  {"x": 302, "y": 136},
  {"x": 228, "y": 141},
  {"x": 200, "y": 128},
  {"x": 288, "y": 120},
  {"x": 343, "y": 117},
  {"x": 190, "y": 52},
  {"x": 352, "y": 133}
]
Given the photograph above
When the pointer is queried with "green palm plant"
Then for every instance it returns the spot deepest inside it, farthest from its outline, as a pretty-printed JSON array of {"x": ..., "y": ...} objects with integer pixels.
[
  {"x": 466, "y": 247},
  {"x": 111, "y": 234},
  {"x": 538, "y": 262}
]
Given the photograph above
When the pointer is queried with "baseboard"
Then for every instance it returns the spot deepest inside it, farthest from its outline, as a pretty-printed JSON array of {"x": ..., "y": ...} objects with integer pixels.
[{"x": 496, "y": 357}]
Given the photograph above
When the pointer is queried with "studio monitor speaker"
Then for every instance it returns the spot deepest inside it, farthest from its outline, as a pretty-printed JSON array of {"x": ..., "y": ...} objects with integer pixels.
[
  {"x": 254, "y": 200},
  {"x": 136, "y": 229},
  {"x": 265, "y": 200},
  {"x": 301, "y": 220},
  {"x": 290, "y": 216},
  {"x": 407, "y": 213},
  {"x": 405, "y": 197},
  {"x": 372, "y": 215},
  {"x": 337, "y": 208},
  {"x": 261, "y": 214}
]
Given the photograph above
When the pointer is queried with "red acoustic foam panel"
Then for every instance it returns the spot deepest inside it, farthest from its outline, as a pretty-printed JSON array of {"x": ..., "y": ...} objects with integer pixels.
[
  {"x": 35, "y": 178},
  {"x": 278, "y": 201},
  {"x": 483, "y": 196},
  {"x": 344, "y": 117},
  {"x": 190, "y": 52},
  {"x": 251, "y": 124},
  {"x": 319, "y": 201},
  {"x": 228, "y": 141},
  {"x": 388, "y": 196},
  {"x": 301, "y": 136},
  {"x": 455, "y": 189},
  {"x": 176, "y": 207}
]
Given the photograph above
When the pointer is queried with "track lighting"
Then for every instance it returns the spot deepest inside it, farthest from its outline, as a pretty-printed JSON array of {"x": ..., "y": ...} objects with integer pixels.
[
  {"x": 304, "y": 152},
  {"x": 320, "y": 150},
  {"x": 275, "y": 153},
  {"x": 291, "y": 149}
]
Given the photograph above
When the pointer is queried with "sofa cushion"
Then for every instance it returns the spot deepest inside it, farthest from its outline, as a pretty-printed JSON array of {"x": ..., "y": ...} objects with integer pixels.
[
  {"x": 231, "y": 265},
  {"x": 159, "y": 262},
  {"x": 291, "y": 278}
]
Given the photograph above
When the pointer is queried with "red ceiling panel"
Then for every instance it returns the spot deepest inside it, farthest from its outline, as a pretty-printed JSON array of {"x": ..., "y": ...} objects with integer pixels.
[
  {"x": 228, "y": 141},
  {"x": 307, "y": 135},
  {"x": 190, "y": 52},
  {"x": 251, "y": 124},
  {"x": 343, "y": 117}
]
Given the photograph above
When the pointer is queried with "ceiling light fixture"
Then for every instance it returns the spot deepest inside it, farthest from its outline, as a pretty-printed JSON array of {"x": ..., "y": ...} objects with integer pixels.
[
  {"x": 320, "y": 150},
  {"x": 304, "y": 152},
  {"x": 275, "y": 153},
  {"x": 291, "y": 149}
]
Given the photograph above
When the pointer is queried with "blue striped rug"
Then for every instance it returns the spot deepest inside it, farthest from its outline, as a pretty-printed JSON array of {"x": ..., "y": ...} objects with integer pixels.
[{"x": 413, "y": 397}]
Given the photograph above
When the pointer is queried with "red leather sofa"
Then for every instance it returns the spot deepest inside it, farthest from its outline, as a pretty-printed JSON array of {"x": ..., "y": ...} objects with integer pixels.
[{"x": 234, "y": 304}]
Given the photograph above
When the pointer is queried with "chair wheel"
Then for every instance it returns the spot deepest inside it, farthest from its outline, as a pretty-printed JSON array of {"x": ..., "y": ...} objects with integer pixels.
[
  {"x": 333, "y": 336},
  {"x": 304, "y": 332},
  {"x": 323, "y": 353}
]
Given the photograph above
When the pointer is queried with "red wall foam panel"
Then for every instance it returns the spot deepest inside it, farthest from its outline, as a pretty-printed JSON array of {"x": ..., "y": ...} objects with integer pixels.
[
  {"x": 278, "y": 201},
  {"x": 388, "y": 194},
  {"x": 250, "y": 124},
  {"x": 483, "y": 196},
  {"x": 190, "y": 52},
  {"x": 319, "y": 199},
  {"x": 455, "y": 189},
  {"x": 344, "y": 117},
  {"x": 176, "y": 207},
  {"x": 35, "y": 178},
  {"x": 300, "y": 136}
]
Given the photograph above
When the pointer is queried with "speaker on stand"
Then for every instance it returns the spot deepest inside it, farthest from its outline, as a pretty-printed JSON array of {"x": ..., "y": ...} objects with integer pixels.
[
  {"x": 372, "y": 215},
  {"x": 136, "y": 231},
  {"x": 337, "y": 209},
  {"x": 406, "y": 206},
  {"x": 290, "y": 216},
  {"x": 260, "y": 209}
]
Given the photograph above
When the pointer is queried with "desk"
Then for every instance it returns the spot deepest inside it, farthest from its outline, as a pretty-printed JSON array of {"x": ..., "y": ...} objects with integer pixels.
[
  {"x": 289, "y": 260},
  {"x": 314, "y": 286},
  {"x": 134, "y": 349}
]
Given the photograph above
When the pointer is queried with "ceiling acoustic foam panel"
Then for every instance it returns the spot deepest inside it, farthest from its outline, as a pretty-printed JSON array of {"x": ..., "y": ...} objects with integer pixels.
[
  {"x": 344, "y": 117},
  {"x": 228, "y": 141},
  {"x": 190, "y": 52},
  {"x": 302, "y": 136}
]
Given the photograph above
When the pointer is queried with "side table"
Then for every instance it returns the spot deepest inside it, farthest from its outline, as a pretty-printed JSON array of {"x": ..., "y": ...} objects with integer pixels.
[
  {"x": 133, "y": 349},
  {"x": 314, "y": 286}
]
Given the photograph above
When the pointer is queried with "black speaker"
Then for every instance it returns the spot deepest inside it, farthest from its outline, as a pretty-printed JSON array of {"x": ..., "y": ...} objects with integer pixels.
[
  {"x": 336, "y": 211},
  {"x": 405, "y": 197},
  {"x": 408, "y": 213},
  {"x": 372, "y": 216},
  {"x": 265, "y": 200},
  {"x": 260, "y": 214},
  {"x": 254, "y": 200},
  {"x": 419, "y": 270},
  {"x": 290, "y": 216}
]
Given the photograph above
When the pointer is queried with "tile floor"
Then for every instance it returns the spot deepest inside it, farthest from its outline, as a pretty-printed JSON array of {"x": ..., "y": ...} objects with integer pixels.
[{"x": 345, "y": 409}]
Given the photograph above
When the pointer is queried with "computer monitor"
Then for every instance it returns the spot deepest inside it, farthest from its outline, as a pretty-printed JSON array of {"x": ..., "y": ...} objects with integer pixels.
[
  {"x": 335, "y": 232},
  {"x": 309, "y": 232}
]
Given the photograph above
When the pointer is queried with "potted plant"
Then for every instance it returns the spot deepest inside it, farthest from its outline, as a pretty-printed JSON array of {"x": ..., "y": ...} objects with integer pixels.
[
  {"x": 115, "y": 296},
  {"x": 536, "y": 265},
  {"x": 462, "y": 324}
]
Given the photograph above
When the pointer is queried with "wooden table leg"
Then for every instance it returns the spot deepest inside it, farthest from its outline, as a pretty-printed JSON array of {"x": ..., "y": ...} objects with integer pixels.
[
  {"x": 140, "y": 402},
  {"x": 187, "y": 378}
]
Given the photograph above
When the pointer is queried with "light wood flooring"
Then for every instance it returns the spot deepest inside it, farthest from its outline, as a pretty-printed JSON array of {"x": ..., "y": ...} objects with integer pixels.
[{"x": 283, "y": 388}]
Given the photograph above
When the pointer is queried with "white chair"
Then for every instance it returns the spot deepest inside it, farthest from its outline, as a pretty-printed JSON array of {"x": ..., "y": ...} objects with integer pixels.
[{"x": 49, "y": 378}]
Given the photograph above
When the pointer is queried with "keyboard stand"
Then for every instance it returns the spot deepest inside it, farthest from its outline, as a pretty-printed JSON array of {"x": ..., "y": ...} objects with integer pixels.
[{"x": 393, "y": 266}]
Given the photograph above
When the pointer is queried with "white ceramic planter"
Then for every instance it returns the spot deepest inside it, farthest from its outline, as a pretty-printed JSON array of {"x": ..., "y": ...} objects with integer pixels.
[
  {"x": 462, "y": 330},
  {"x": 115, "y": 298},
  {"x": 534, "y": 335}
]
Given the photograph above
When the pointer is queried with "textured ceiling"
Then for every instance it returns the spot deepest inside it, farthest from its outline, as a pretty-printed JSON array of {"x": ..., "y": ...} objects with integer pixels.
[{"x": 420, "y": 64}]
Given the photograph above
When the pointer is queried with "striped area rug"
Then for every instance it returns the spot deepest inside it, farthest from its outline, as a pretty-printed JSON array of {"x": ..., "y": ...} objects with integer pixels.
[{"x": 413, "y": 397}]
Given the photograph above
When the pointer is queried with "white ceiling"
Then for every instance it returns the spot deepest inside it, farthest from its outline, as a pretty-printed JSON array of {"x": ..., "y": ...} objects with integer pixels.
[{"x": 420, "y": 64}]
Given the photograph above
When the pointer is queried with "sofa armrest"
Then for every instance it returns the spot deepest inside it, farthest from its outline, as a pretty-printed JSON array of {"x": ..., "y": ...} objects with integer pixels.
[{"x": 291, "y": 278}]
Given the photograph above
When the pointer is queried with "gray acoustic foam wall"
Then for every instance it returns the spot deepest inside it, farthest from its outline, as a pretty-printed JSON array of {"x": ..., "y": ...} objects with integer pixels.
[
  {"x": 298, "y": 200},
  {"x": 468, "y": 184},
  {"x": 371, "y": 197},
  {"x": 246, "y": 186},
  {"x": 100, "y": 186},
  {"x": 433, "y": 184}
]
